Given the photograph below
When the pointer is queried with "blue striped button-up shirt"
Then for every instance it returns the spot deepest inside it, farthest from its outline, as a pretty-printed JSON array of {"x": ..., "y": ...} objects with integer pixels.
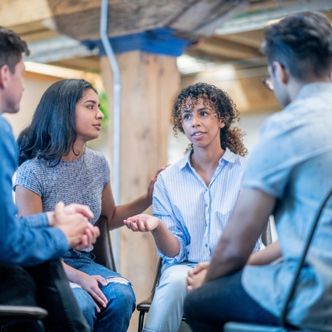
[{"x": 194, "y": 212}]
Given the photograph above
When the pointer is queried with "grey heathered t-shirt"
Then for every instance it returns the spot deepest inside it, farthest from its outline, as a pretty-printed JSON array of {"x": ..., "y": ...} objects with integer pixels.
[{"x": 79, "y": 181}]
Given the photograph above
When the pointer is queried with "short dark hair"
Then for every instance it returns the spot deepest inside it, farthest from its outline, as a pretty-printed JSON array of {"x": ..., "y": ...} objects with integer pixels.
[
  {"x": 52, "y": 132},
  {"x": 230, "y": 137},
  {"x": 11, "y": 48},
  {"x": 302, "y": 42}
]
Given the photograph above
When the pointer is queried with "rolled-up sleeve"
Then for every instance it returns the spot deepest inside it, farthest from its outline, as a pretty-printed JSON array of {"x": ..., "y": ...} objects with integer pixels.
[{"x": 163, "y": 210}]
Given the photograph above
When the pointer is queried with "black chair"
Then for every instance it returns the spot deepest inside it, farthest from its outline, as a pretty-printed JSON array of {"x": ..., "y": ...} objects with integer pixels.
[
  {"x": 102, "y": 248},
  {"x": 12, "y": 314},
  {"x": 246, "y": 327},
  {"x": 144, "y": 306}
]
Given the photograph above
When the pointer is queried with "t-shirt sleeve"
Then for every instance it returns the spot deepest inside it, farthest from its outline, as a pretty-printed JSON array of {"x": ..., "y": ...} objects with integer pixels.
[
  {"x": 27, "y": 177},
  {"x": 105, "y": 170}
]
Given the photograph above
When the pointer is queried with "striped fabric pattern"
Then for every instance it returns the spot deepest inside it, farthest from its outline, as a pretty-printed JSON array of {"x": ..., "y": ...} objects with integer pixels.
[{"x": 195, "y": 212}]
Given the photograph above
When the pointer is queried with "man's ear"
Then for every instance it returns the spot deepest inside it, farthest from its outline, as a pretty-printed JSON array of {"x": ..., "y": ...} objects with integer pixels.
[
  {"x": 281, "y": 72},
  {"x": 4, "y": 72}
]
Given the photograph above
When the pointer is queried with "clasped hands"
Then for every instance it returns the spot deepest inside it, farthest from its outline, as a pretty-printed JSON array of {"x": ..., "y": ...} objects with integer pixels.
[{"x": 73, "y": 221}]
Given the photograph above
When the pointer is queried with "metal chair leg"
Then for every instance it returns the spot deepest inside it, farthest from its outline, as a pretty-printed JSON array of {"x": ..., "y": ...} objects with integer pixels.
[{"x": 141, "y": 321}]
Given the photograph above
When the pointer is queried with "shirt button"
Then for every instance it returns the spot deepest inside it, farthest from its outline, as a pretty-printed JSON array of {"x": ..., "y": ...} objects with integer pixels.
[{"x": 206, "y": 245}]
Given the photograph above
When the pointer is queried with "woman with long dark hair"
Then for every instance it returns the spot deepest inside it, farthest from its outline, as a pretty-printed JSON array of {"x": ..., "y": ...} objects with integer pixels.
[{"x": 57, "y": 166}]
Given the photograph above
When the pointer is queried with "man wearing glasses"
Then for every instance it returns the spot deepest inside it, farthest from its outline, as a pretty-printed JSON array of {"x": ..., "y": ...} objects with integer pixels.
[{"x": 287, "y": 176}]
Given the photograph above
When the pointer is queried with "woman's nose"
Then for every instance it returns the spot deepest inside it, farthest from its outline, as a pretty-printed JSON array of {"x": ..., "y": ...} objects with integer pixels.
[
  {"x": 195, "y": 120},
  {"x": 100, "y": 114}
]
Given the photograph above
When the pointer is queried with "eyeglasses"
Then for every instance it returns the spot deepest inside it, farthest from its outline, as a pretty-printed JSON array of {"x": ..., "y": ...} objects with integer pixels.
[{"x": 268, "y": 83}]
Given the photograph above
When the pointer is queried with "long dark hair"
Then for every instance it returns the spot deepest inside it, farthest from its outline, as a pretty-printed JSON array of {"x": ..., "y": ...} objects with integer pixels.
[
  {"x": 230, "y": 137},
  {"x": 52, "y": 132}
]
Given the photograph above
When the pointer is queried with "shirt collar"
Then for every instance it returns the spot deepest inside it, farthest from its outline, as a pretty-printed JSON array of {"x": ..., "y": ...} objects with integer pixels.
[
  {"x": 228, "y": 156},
  {"x": 312, "y": 88}
]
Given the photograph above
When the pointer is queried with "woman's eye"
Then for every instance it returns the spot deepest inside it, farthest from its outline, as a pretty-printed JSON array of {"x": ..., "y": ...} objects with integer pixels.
[{"x": 186, "y": 116}]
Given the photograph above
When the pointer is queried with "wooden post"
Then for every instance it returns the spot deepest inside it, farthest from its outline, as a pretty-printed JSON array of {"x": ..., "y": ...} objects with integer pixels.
[{"x": 149, "y": 85}]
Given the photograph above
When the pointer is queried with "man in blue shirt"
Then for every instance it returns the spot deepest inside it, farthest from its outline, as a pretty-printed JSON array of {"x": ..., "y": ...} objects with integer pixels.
[
  {"x": 30, "y": 247},
  {"x": 287, "y": 175}
]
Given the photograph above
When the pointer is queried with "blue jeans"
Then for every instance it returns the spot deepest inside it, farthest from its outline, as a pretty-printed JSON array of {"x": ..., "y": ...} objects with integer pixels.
[
  {"x": 120, "y": 295},
  {"x": 223, "y": 300}
]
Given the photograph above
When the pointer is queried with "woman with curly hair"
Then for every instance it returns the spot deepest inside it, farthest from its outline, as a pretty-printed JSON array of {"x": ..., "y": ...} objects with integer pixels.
[{"x": 193, "y": 198}]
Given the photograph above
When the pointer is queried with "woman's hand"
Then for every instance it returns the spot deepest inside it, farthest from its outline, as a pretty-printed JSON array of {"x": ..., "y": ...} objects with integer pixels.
[
  {"x": 197, "y": 275},
  {"x": 151, "y": 184},
  {"x": 92, "y": 284},
  {"x": 142, "y": 223}
]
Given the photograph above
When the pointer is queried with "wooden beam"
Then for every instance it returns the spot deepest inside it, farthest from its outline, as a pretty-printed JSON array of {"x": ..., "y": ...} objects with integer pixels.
[
  {"x": 17, "y": 12},
  {"x": 252, "y": 39},
  {"x": 149, "y": 86},
  {"x": 218, "y": 46},
  {"x": 203, "y": 17},
  {"x": 124, "y": 18},
  {"x": 80, "y": 19}
]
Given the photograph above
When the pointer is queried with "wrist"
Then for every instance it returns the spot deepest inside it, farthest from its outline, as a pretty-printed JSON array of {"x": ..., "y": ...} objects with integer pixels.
[
  {"x": 158, "y": 226},
  {"x": 51, "y": 218}
]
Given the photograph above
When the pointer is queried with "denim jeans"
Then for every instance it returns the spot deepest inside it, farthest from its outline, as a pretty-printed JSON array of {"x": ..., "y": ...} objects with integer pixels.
[
  {"x": 222, "y": 300},
  {"x": 121, "y": 298}
]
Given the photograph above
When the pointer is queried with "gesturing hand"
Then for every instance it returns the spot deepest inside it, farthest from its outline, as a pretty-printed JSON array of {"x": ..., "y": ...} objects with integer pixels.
[{"x": 142, "y": 223}]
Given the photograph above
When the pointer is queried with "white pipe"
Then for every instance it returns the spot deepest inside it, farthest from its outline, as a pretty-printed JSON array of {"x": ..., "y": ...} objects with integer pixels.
[{"x": 116, "y": 119}]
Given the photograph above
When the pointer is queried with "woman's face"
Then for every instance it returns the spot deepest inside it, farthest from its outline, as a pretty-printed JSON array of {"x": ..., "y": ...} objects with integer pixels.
[
  {"x": 88, "y": 116},
  {"x": 200, "y": 123}
]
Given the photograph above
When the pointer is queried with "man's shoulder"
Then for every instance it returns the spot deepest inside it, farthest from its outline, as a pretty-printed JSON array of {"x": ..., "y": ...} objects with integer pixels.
[
  {"x": 4, "y": 125},
  {"x": 7, "y": 140}
]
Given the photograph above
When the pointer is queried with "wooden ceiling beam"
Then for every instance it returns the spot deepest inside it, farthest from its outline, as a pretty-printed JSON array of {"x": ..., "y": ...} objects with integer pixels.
[
  {"x": 226, "y": 48},
  {"x": 252, "y": 39},
  {"x": 17, "y": 12}
]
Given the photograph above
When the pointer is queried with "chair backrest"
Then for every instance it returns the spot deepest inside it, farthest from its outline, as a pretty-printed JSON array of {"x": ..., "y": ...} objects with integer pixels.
[
  {"x": 103, "y": 248},
  {"x": 292, "y": 289}
]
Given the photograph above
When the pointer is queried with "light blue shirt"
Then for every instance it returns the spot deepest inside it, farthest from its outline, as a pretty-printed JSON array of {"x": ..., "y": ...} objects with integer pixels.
[
  {"x": 28, "y": 240},
  {"x": 293, "y": 162},
  {"x": 194, "y": 212}
]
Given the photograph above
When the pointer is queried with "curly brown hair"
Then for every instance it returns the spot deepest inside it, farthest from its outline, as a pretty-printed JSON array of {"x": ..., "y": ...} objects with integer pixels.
[{"x": 230, "y": 137}]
